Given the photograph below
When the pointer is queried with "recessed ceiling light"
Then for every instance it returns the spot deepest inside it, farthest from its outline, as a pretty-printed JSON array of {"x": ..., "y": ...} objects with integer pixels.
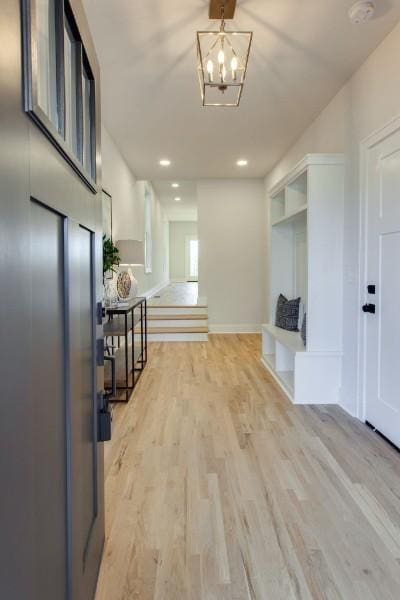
[
  {"x": 164, "y": 162},
  {"x": 175, "y": 185},
  {"x": 242, "y": 162},
  {"x": 362, "y": 11},
  {"x": 177, "y": 199}
]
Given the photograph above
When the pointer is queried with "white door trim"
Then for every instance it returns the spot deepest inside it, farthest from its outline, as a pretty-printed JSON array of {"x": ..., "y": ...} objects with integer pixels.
[{"x": 365, "y": 146}]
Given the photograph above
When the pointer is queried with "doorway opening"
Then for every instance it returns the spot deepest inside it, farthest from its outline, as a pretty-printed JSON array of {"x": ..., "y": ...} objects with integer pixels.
[
  {"x": 192, "y": 258},
  {"x": 183, "y": 251}
]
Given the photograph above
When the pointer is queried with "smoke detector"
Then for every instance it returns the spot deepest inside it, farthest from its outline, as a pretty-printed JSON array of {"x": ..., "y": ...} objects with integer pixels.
[{"x": 361, "y": 11}]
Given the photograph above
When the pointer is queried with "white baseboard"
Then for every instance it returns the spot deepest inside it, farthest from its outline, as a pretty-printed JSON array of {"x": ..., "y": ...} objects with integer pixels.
[
  {"x": 150, "y": 293},
  {"x": 183, "y": 280},
  {"x": 235, "y": 328},
  {"x": 348, "y": 411}
]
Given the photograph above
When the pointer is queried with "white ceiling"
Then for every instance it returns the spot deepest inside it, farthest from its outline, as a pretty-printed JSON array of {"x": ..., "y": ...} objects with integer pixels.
[
  {"x": 303, "y": 52},
  {"x": 186, "y": 208}
]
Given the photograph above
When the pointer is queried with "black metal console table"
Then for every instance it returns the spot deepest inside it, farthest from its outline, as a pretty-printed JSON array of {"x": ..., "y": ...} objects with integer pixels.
[{"x": 129, "y": 322}]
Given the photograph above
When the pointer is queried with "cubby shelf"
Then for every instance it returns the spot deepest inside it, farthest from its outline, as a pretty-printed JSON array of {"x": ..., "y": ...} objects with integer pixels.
[
  {"x": 291, "y": 216},
  {"x": 306, "y": 258},
  {"x": 290, "y": 339}
]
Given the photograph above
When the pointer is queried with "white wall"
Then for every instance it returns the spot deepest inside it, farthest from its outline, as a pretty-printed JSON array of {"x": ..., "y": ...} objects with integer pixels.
[
  {"x": 178, "y": 231},
  {"x": 232, "y": 242},
  {"x": 128, "y": 213},
  {"x": 369, "y": 100}
]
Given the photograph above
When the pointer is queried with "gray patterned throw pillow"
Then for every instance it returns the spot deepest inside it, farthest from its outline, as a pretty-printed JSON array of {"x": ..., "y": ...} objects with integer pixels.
[
  {"x": 303, "y": 331},
  {"x": 287, "y": 313}
]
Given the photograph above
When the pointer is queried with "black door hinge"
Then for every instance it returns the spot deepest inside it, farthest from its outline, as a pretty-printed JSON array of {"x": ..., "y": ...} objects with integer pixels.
[
  {"x": 100, "y": 352},
  {"x": 100, "y": 312},
  {"x": 104, "y": 419}
]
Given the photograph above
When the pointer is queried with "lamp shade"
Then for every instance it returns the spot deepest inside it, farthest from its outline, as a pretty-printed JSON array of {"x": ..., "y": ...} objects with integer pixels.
[{"x": 131, "y": 252}]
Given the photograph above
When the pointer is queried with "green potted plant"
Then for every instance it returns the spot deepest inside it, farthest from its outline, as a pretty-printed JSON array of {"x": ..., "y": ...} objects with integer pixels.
[{"x": 111, "y": 257}]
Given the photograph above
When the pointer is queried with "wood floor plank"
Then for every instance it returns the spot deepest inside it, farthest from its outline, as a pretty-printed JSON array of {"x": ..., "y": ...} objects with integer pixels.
[{"x": 218, "y": 488}]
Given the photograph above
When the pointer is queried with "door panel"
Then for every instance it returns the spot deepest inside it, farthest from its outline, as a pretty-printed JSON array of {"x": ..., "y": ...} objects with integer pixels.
[
  {"x": 86, "y": 443},
  {"x": 49, "y": 422},
  {"x": 389, "y": 322},
  {"x": 83, "y": 402},
  {"x": 383, "y": 270}
]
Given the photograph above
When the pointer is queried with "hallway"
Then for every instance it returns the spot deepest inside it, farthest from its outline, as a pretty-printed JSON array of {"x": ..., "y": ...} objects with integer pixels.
[
  {"x": 176, "y": 294},
  {"x": 217, "y": 487}
]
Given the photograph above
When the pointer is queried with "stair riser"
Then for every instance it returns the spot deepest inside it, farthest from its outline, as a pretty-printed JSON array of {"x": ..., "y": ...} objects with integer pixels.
[
  {"x": 177, "y": 323},
  {"x": 176, "y": 310},
  {"x": 177, "y": 337}
]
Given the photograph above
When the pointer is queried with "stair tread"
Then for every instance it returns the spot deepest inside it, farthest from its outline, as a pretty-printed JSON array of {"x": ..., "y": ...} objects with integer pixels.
[
  {"x": 151, "y": 330},
  {"x": 149, "y": 305},
  {"x": 181, "y": 317}
]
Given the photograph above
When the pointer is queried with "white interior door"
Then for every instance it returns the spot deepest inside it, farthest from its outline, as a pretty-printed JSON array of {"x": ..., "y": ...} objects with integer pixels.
[
  {"x": 191, "y": 258},
  {"x": 383, "y": 272}
]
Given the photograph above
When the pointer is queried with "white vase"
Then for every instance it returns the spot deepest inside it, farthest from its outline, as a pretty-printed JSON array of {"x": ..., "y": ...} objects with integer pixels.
[{"x": 134, "y": 285}]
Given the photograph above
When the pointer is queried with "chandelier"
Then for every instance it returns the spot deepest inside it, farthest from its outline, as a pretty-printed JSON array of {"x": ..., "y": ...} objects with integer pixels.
[{"x": 222, "y": 58}]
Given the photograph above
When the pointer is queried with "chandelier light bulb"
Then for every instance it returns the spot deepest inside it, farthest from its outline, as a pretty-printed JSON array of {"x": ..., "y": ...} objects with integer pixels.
[
  {"x": 234, "y": 66},
  {"x": 210, "y": 69},
  {"x": 221, "y": 57},
  {"x": 223, "y": 72}
]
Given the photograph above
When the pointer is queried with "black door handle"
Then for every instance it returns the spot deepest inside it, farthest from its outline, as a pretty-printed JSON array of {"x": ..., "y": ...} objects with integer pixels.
[{"x": 369, "y": 308}]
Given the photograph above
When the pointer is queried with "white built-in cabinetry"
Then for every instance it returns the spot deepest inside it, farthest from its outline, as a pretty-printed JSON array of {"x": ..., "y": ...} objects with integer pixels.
[{"x": 306, "y": 260}]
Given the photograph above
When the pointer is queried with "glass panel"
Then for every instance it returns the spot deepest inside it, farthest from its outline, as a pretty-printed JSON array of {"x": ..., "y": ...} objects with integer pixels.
[
  {"x": 47, "y": 59},
  {"x": 71, "y": 48},
  {"x": 148, "y": 240},
  {"x": 194, "y": 259},
  {"x": 87, "y": 91}
]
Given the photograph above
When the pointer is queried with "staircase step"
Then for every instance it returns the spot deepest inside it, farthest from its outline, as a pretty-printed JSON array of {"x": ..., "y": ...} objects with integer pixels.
[
  {"x": 181, "y": 317},
  {"x": 156, "y": 305},
  {"x": 151, "y": 330},
  {"x": 154, "y": 310},
  {"x": 178, "y": 336},
  {"x": 166, "y": 323}
]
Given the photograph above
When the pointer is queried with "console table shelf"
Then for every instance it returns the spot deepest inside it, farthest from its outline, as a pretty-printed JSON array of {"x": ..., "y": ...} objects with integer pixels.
[{"x": 127, "y": 325}]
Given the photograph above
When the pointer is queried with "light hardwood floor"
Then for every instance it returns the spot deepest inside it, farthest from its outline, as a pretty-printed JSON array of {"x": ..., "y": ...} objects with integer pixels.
[
  {"x": 218, "y": 488},
  {"x": 177, "y": 294}
]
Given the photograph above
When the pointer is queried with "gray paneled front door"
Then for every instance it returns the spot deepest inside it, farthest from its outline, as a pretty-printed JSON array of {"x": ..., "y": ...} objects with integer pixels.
[
  {"x": 51, "y": 464},
  {"x": 65, "y": 503}
]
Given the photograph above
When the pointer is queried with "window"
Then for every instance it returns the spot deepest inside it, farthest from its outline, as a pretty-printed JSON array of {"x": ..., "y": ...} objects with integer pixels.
[
  {"x": 71, "y": 56},
  {"x": 47, "y": 60},
  {"x": 193, "y": 259},
  {"x": 148, "y": 240},
  {"x": 87, "y": 107},
  {"x": 59, "y": 83}
]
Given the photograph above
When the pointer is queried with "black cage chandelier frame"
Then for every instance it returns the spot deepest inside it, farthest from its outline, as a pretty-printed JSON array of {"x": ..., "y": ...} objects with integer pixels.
[{"x": 224, "y": 81}]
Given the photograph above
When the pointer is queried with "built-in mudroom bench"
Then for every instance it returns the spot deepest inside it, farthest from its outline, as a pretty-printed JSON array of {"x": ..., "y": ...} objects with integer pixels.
[{"x": 306, "y": 261}]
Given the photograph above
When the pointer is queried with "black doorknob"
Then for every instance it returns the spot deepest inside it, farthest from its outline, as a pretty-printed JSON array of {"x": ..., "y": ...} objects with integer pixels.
[{"x": 369, "y": 308}]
